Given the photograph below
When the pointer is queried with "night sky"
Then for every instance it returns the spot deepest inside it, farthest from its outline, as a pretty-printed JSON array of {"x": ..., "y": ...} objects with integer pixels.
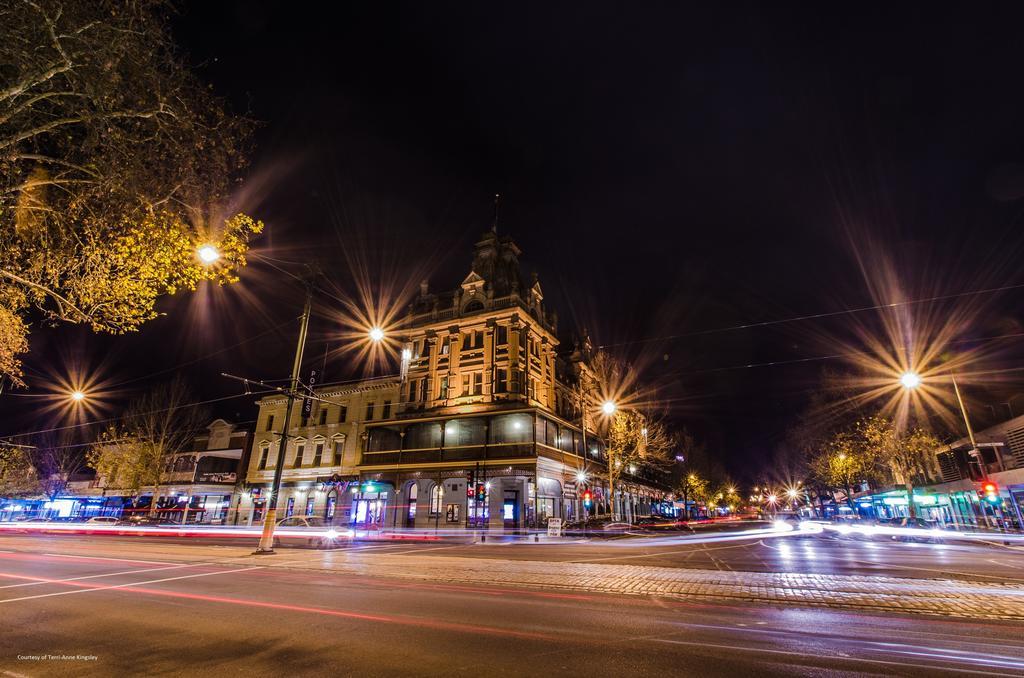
[{"x": 667, "y": 168}]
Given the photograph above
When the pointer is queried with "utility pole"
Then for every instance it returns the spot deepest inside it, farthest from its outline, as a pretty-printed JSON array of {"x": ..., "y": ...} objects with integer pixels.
[{"x": 266, "y": 546}]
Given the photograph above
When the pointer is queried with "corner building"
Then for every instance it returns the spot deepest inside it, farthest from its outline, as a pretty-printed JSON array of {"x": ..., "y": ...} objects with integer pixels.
[{"x": 482, "y": 429}]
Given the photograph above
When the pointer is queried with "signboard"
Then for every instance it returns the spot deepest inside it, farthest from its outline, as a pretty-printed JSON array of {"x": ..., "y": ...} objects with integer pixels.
[
  {"x": 307, "y": 404},
  {"x": 554, "y": 527}
]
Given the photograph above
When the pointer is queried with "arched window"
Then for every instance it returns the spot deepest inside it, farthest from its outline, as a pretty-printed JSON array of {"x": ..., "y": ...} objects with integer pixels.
[{"x": 436, "y": 499}]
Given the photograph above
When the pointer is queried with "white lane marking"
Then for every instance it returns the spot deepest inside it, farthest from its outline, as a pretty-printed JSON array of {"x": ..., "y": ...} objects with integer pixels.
[
  {"x": 421, "y": 550},
  {"x": 40, "y": 582},
  {"x": 122, "y": 560},
  {"x": 744, "y": 648},
  {"x": 127, "y": 586},
  {"x": 660, "y": 553}
]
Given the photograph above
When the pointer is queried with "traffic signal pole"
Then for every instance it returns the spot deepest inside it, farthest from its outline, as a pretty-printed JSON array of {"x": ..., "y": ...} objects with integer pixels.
[{"x": 266, "y": 546}]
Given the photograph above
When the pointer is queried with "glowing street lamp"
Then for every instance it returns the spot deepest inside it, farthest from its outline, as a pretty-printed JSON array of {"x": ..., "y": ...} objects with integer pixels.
[
  {"x": 910, "y": 380},
  {"x": 376, "y": 335},
  {"x": 792, "y": 493},
  {"x": 208, "y": 254},
  {"x": 608, "y": 407},
  {"x": 77, "y": 396}
]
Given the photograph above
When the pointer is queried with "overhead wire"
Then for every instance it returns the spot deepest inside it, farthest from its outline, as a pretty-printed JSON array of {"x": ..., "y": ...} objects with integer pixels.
[{"x": 813, "y": 316}]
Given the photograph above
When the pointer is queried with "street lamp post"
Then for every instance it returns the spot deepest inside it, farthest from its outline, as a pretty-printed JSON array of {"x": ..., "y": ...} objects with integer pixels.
[
  {"x": 911, "y": 380},
  {"x": 609, "y": 407},
  {"x": 266, "y": 545}
]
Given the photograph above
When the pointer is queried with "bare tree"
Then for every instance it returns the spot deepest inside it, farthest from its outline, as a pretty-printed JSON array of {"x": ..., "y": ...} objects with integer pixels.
[
  {"x": 139, "y": 452},
  {"x": 57, "y": 461}
]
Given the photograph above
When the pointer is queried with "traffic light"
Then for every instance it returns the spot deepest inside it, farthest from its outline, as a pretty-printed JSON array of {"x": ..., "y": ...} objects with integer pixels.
[
  {"x": 481, "y": 492},
  {"x": 470, "y": 489},
  {"x": 990, "y": 493},
  {"x": 588, "y": 499}
]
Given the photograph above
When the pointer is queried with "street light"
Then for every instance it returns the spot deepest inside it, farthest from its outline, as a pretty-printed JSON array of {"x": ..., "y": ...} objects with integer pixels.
[
  {"x": 208, "y": 254},
  {"x": 77, "y": 396},
  {"x": 608, "y": 407},
  {"x": 910, "y": 379},
  {"x": 376, "y": 335}
]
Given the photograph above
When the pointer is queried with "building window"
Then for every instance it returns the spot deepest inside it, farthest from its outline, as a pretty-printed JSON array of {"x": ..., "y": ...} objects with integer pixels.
[
  {"x": 323, "y": 416},
  {"x": 369, "y": 411},
  {"x": 426, "y": 349},
  {"x": 502, "y": 335},
  {"x": 343, "y": 414},
  {"x": 309, "y": 506},
  {"x": 500, "y": 382},
  {"x": 443, "y": 391},
  {"x": 318, "y": 455},
  {"x": 465, "y": 385},
  {"x": 291, "y": 507},
  {"x": 516, "y": 381},
  {"x": 444, "y": 346},
  {"x": 339, "y": 446},
  {"x": 300, "y": 451},
  {"x": 270, "y": 422},
  {"x": 264, "y": 452},
  {"x": 478, "y": 383},
  {"x": 386, "y": 410},
  {"x": 436, "y": 499},
  {"x": 329, "y": 512}
]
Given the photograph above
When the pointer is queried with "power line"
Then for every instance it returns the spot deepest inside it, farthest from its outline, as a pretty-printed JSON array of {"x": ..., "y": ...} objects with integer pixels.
[
  {"x": 110, "y": 419},
  {"x": 849, "y": 354},
  {"x": 814, "y": 316}
]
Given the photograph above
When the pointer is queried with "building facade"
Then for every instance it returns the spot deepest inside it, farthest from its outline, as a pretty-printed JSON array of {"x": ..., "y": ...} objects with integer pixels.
[
  {"x": 485, "y": 427},
  {"x": 950, "y": 491}
]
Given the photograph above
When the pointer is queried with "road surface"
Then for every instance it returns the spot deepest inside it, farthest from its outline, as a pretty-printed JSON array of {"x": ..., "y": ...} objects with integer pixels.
[{"x": 81, "y": 606}]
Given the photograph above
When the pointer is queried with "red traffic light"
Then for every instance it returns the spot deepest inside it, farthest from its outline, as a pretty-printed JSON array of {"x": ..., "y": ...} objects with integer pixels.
[{"x": 990, "y": 488}]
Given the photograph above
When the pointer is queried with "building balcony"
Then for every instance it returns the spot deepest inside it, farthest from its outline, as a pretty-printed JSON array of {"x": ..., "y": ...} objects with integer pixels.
[{"x": 449, "y": 454}]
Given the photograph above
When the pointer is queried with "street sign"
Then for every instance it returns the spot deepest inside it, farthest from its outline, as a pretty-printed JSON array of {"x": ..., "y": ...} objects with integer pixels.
[{"x": 554, "y": 527}]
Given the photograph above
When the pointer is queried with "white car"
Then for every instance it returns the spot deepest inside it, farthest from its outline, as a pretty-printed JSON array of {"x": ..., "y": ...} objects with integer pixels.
[{"x": 102, "y": 520}]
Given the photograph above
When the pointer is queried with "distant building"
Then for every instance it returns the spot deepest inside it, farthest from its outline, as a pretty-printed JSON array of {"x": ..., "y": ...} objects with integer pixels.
[
  {"x": 198, "y": 483},
  {"x": 949, "y": 491},
  {"x": 482, "y": 428}
]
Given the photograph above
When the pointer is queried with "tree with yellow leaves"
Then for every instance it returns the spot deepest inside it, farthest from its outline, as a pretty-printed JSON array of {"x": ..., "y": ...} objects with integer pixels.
[
  {"x": 634, "y": 441},
  {"x": 114, "y": 161}
]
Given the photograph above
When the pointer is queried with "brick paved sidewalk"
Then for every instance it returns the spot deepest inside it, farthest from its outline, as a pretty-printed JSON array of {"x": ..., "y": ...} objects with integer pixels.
[{"x": 919, "y": 596}]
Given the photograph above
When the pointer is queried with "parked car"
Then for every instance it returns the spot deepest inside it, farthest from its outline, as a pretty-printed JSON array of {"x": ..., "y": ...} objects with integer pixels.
[
  {"x": 321, "y": 533},
  {"x": 102, "y": 520},
  {"x": 916, "y": 530},
  {"x": 303, "y": 521},
  {"x": 142, "y": 521}
]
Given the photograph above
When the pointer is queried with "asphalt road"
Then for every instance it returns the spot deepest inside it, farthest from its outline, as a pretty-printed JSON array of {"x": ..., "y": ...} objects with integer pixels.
[
  {"x": 171, "y": 611},
  {"x": 806, "y": 554},
  {"x": 812, "y": 554}
]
